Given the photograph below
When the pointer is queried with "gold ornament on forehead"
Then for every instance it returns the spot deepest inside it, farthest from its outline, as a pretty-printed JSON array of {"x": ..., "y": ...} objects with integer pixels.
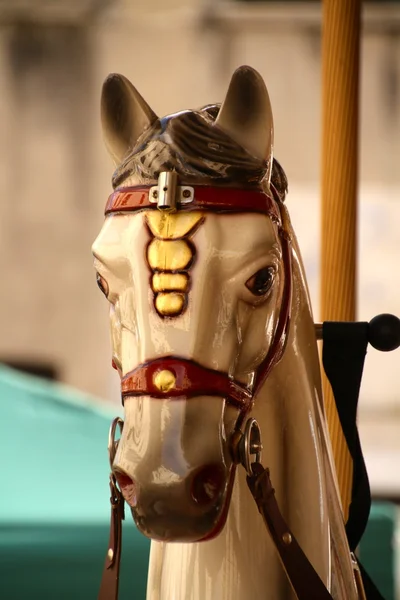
[
  {"x": 209, "y": 146},
  {"x": 170, "y": 255}
]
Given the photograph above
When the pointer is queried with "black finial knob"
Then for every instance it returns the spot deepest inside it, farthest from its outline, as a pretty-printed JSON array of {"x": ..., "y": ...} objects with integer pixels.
[{"x": 384, "y": 332}]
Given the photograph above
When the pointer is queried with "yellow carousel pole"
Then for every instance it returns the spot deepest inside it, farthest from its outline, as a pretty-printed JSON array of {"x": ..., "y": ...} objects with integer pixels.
[{"x": 340, "y": 100}]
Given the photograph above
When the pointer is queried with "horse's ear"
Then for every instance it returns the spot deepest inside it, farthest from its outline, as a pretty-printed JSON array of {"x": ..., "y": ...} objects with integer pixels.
[
  {"x": 124, "y": 115},
  {"x": 246, "y": 114}
]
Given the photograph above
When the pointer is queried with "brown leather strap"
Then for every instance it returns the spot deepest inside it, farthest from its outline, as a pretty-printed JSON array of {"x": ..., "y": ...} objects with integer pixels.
[
  {"x": 303, "y": 578},
  {"x": 110, "y": 578}
]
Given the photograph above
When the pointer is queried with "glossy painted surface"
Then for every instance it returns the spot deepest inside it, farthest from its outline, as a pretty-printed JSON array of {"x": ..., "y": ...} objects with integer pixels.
[
  {"x": 186, "y": 435},
  {"x": 173, "y": 461}
]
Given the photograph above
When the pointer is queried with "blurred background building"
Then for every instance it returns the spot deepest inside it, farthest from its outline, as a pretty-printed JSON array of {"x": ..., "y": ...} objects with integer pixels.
[{"x": 55, "y": 174}]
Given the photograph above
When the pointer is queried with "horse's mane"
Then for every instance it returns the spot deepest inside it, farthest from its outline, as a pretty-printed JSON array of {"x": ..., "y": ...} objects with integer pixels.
[{"x": 189, "y": 143}]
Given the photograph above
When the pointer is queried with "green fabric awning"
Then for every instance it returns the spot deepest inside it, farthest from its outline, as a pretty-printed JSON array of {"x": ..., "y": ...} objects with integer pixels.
[
  {"x": 54, "y": 495},
  {"x": 54, "y": 500}
]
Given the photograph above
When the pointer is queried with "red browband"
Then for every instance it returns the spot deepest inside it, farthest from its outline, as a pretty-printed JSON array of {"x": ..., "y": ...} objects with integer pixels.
[{"x": 205, "y": 198}]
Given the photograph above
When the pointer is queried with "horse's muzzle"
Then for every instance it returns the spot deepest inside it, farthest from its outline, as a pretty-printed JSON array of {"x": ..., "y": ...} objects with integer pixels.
[
  {"x": 174, "y": 467},
  {"x": 191, "y": 511}
]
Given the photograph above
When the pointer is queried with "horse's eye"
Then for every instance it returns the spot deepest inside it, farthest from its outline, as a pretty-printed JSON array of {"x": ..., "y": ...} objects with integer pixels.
[
  {"x": 260, "y": 283},
  {"x": 102, "y": 283}
]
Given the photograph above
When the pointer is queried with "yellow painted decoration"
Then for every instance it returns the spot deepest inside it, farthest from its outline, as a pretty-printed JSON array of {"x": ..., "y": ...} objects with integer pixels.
[
  {"x": 170, "y": 304},
  {"x": 170, "y": 281},
  {"x": 169, "y": 255},
  {"x": 164, "y": 380},
  {"x": 172, "y": 226},
  {"x": 169, "y": 251}
]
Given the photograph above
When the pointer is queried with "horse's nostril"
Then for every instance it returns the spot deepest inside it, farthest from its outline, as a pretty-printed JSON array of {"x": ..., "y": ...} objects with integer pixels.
[
  {"x": 127, "y": 487},
  {"x": 207, "y": 484}
]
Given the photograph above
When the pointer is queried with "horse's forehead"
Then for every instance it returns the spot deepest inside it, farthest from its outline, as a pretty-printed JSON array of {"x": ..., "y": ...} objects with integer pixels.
[{"x": 241, "y": 232}]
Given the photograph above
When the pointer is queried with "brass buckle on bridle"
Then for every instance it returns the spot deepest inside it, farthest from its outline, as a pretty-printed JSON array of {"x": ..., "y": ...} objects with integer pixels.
[
  {"x": 116, "y": 498},
  {"x": 249, "y": 445},
  {"x": 112, "y": 442},
  {"x": 110, "y": 577},
  {"x": 112, "y": 450}
]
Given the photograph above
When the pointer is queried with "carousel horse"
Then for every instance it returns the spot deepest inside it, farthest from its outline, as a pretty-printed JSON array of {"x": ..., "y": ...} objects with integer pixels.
[{"x": 214, "y": 340}]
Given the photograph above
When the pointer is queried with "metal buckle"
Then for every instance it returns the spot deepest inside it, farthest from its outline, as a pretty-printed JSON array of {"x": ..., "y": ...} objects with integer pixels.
[
  {"x": 250, "y": 445},
  {"x": 112, "y": 442},
  {"x": 167, "y": 194}
]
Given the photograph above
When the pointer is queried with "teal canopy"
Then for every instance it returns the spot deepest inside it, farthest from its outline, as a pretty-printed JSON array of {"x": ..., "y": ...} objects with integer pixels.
[
  {"x": 54, "y": 495},
  {"x": 54, "y": 500}
]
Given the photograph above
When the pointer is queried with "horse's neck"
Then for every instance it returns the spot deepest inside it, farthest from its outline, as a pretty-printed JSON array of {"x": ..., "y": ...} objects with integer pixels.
[{"x": 242, "y": 562}]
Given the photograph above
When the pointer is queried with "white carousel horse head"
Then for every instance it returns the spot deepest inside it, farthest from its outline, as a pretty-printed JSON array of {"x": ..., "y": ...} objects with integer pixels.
[{"x": 196, "y": 299}]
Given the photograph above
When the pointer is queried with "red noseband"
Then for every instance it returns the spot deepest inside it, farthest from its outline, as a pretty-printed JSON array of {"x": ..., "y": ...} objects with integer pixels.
[
  {"x": 186, "y": 378},
  {"x": 189, "y": 379}
]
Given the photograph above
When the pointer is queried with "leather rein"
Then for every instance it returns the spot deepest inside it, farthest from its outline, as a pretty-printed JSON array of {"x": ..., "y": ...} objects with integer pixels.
[{"x": 193, "y": 379}]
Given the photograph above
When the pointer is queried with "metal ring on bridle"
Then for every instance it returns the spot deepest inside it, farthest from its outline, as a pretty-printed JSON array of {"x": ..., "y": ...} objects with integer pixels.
[
  {"x": 250, "y": 445},
  {"x": 112, "y": 443}
]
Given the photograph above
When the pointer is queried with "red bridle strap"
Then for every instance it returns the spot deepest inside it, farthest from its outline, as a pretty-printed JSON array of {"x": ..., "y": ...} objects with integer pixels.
[
  {"x": 279, "y": 340},
  {"x": 191, "y": 379},
  {"x": 214, "y": 199}
]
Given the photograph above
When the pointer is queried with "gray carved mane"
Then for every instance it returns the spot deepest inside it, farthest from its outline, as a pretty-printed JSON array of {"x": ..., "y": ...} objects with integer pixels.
[{"x": 191, "y": 142}]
